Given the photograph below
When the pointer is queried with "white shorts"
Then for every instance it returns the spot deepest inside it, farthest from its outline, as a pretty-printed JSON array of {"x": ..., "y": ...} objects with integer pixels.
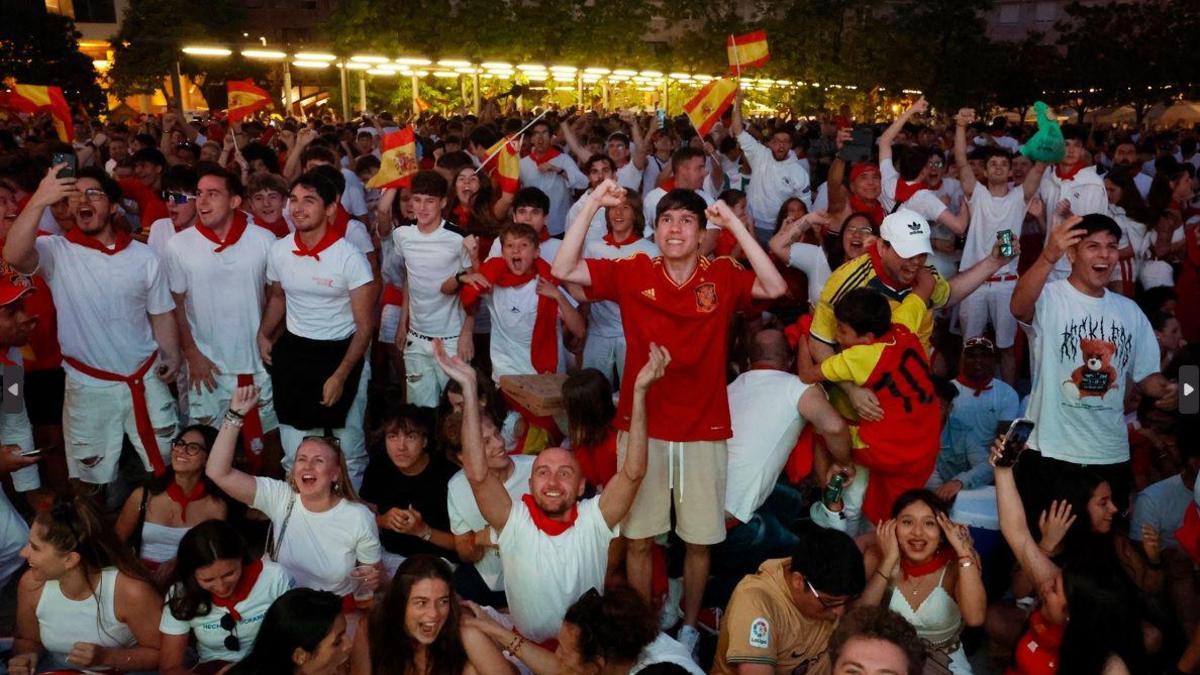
[
  {"x": 425, "y": 379},
  {"x": 605, "y": 354},
  {"x": 96, "y": 417},
  {"x": 389, "y": 323},
  {"x": 989, "y": 304},
  {"x": 208, "y": 407}
]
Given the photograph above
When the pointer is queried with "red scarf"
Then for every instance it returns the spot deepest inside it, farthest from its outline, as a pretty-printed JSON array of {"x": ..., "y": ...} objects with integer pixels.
[
  {"x": 608, "y": 239},
  {"x": 872, "y": 208},
  {"x": 278, "y": 227},
  {"x": 1069, "y": 174},
  {"x": 121, "y": 241},
  {"x": 250, "y": 574},
  {"x": 463, "y": 215},
  {"x": 1188, "y": 535},
  {"x": 937, "y": 562},
  {"x": 5, "y": 360},
  {"x": 877, "y": 263},
  {"x": 544, "y": 349},
  {"x": 177, "y": 495},
  {"x": 976, "y": 387},
  {"x": 1037, "y": 652},
  {"x": 236, "y": 229},
  {"x": 905, "y": 190},
  {"x": 542, "y": 159},
  {"x": 331, "y": 237},
  {"x": 668, "y": 184},
  {"x": 546, "y": 524},
  {"x": 341, "y": 220}
]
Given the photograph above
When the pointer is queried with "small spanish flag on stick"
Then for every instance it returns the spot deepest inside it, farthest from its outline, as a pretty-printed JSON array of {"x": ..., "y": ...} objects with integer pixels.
[
  {"x": 747, "y": 51},
  {"x": 507, "y": 167},
  {"x": 398, "y": 161},
  {"x": 245, "y": 99},
  {"x": 35, "y": 98},
  {"x": 707, "y": 106}
]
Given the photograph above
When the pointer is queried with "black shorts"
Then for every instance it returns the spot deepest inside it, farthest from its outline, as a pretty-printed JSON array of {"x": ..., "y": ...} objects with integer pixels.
[
  {"x": 1039, "y": 480},
  {"x": 44, "y": 391}
]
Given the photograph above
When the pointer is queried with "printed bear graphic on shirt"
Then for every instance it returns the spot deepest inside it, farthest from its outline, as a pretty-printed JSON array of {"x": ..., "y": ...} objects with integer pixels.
[{"x": 1097, "y": 376}]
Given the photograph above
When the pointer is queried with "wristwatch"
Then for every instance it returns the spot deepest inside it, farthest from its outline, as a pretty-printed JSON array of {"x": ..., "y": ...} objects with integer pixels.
[
  {"x": 458, "y": 278},
  {"x": 427, "y": 534}
]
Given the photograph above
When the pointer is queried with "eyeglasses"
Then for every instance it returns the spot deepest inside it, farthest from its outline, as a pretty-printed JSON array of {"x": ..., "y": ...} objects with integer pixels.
[
  {"x": 861, "y": 229},
  {"x": 178, "y": 198},
  {"x": 94, "y": 195},
  {"x": 189, "y": 449},
  {"x": 827, "y": 604},
  {"x": 936, "y": 164},
  {"x": 232, "y": 643}
]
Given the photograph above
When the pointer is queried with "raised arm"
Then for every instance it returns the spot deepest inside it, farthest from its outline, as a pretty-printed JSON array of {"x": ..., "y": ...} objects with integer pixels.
[
  {"x": 235, "y": 483},
  {"x": 490, "y": 494},
  {"x": 582, "y": 154},
  {"x": 964, "y": 119},
  {"x": 1030, "y": 284},
  {"x": 619, "y": 492},
  {"x": 640, "y": 150},
  {"x": 20, "y": 248},
  {"x": 815, "y": 407},
  {"x": 1014, "y": 526},
  {"x": 964, "y": 283},
  {"x": 1033, "y": 180},
  {"x": 736, "y": 125},
  {"x": 769, "y": 284},
  {"x": 569, "y": 265},
  {"x": 889, "y": 134},
  {"x": 838, "y": 194}
]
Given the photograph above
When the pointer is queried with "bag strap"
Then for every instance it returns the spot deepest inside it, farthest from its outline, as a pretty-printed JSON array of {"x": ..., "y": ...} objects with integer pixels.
[
  {"x": 135, "y": 539},
  {"x": 273, "y": 541}
]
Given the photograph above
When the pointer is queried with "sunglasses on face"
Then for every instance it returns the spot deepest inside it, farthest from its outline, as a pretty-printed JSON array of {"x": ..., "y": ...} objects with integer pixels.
[
  {"x": 232, "y": 643},
  {"x": 936, "y": 164},
  {"x": 178, "y": 198}
]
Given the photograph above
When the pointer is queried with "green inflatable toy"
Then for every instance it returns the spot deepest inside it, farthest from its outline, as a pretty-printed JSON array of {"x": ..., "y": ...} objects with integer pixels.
[{"x": 1047, "y": 144}]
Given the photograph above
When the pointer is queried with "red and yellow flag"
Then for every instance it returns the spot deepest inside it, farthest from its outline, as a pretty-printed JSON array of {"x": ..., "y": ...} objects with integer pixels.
[
  {"x": 506, "y": 156},
  {"x": 398, "y": 161},
  {"x": 245, "y": 99},
  {"x": 35, "y": 98},
  {"x": 747, "y": 51},
  {"x": 422, "y": 106},
  {"x": 707, "y": 106}
]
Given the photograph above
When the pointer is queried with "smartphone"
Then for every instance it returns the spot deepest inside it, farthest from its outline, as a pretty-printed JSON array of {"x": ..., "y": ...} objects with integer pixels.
[
  {"x": 1014, "y": 443},
  {"x": 1005, "y": 237},
  {"x": 662, "y": 119},
  {"x": 862, "y": 140},
  {"x": 67, "y": 158}
]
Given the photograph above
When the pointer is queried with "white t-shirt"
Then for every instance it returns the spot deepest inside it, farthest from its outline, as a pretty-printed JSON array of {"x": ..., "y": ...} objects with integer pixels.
[
  {"x": 429, "y": 260},
  {"x": 811, "y": 260},
  {"x": 990, "y": 215},
  {"x": 557, "y": 188},
  {"x": 514, "y": 311},
  {"x": 224, "y": 293},
  {"x": 1083, "y": 351},
  {"x": 318, "y": 549},
  {"x": 604, "y": 318},
  {"x": 951, "y": 189},
  {"x": 628, "y": 177},
  {"x": 766, "y": 424},
  {"x": 546, "y": 249},
  {"x": 354, "y": 198},
  {"x": 543, "y": 575},
  {"x": 654, "y": 167},
  {"x": 272, "y": 582},
  {"x": 318, "y": 291},
  {"x": 771, "y": 182},
  {"x": 650, "y": 209},
  {"x": 598, "y": 227},
  {"x": 924, "y": 202},
  {"x": 356, "y": 231},
  {"x": 665, "y": 649},
  {"x": 103, "y": 302},
  {"x": 161, "y": 232},
  {"x": 1086, "y": 194},
  {"x": 465, "y": 516}
]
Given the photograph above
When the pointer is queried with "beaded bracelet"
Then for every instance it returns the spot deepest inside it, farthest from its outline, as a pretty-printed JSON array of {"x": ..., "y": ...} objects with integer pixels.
[{"x": 233, "y": 420}]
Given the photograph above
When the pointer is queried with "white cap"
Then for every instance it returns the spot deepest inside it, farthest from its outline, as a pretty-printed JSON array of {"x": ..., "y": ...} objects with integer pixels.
[{"x": 907, "y": 232}]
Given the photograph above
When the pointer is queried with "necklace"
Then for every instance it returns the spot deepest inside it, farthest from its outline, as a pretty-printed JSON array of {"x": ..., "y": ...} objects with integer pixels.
[{"x": 916, "y": 583}]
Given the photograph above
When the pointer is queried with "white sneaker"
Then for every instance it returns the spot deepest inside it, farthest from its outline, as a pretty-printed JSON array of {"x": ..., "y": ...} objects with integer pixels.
[
  {"x": 689, "y": 637},
  {"x": 670, "y": 613}
]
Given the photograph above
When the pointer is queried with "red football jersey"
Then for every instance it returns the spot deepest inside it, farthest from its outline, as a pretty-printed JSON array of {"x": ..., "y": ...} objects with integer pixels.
[{"x": 692, "y": 321}]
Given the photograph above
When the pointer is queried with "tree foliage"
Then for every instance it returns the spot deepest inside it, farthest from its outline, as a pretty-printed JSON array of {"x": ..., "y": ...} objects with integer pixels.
[{"x": 37, "y": 47}]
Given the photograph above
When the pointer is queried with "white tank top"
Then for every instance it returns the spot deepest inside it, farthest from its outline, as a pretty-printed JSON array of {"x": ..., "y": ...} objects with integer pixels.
[
  {"x": 159, "y": 542},
  {"x": 64, "y": 622},
  {"x": 938, "y": 620}
]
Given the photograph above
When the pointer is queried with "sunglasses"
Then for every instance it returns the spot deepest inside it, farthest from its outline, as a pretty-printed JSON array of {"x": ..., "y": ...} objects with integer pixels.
[
  {"x": 826, "y": 603},
  {"x": 936, "y": 164},
  {"x": 190, "y": 449},
  {"x": 232, "y": 643},
  {"x": 331, "y": 440},
  {"x": 178, "y": 198}
]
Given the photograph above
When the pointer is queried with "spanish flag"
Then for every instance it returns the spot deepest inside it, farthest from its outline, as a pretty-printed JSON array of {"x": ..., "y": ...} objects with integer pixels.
[
  {"x": 747, "y": 51},
  {"x": 507, "y": 169},
  {"x": 398, "y": 162},
  {"x": 245, "y": 99},
  {"x": 422, "y": 106},
  {"x": 707, "y": 106},
  {"x": 35, "y": 98}
]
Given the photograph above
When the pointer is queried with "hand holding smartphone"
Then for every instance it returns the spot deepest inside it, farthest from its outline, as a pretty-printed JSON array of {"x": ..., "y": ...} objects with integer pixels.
[
  {"x": 67, "y": 158},
  {"x": 1014, "y": 442}
]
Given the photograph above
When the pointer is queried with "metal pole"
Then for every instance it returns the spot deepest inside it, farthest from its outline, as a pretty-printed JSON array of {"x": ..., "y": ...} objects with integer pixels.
[
  {"x": 416, "y": 88},
  {"x": 287, "y": 89},
  {"x": 604, "y": 91},
  {"x": 362, "y": 91},
  {"x": 345, "y": 94},
  {"x": 667, "y": 95},
  {"x": 462, "y": 90},
  {"x": 475, "y": 90},
  {"x": 579, "y": 90},
  {"x": 177, "y": 85}
]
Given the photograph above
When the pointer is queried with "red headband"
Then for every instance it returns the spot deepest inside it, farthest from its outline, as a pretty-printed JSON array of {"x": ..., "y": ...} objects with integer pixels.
[{"x": 861, "y": 168}]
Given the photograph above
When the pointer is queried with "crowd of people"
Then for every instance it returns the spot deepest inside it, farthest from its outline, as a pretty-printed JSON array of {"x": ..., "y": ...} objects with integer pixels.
[{"x": 836, "y": 397}]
